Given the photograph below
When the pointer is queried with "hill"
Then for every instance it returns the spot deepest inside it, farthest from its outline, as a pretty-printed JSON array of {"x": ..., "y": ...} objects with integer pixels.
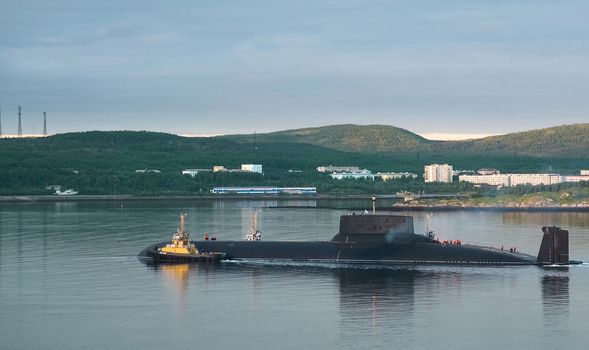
[
  {"x": 347, "y": 138},
  {"x": 560, "y": 141},
  {"x": 568, "y": 141}
]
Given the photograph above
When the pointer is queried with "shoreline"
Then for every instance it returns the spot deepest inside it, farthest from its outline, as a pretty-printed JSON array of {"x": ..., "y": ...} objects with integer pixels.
[{"x": 394, "y": 207}]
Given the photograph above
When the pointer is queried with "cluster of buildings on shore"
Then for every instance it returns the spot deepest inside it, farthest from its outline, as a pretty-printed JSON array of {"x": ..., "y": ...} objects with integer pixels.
[
  {"x": 445, "y": 173},
  {"x": 245, "y": 168},
  {"x": 354, "y": 172},
  {"x": 511, "y": 180},
  {"x": 493, "y": 177}
]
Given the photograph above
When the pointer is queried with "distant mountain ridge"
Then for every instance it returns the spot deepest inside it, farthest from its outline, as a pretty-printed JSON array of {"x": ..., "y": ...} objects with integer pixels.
[{"x": 565, "y": 140}]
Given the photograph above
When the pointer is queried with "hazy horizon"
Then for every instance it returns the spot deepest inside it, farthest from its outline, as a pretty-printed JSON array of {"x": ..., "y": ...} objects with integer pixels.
[{"x": 224, "y": 67}]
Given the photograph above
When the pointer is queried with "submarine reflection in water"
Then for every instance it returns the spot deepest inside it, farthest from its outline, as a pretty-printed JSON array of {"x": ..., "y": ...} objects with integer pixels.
[
  {"x": 371, "y": 300},
  {"x": 555, "y": 295}
]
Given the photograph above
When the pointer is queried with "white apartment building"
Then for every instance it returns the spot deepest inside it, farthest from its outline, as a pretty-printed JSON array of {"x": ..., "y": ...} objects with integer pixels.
[
  {"x": 585, "y": 172},
  {"x": 438, "y": 173},
  {"x": 252, "y": 168}
]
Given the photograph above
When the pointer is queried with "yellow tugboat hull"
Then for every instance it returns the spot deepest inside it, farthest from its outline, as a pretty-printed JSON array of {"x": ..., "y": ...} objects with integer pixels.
[{"x": 178, "y": 250}]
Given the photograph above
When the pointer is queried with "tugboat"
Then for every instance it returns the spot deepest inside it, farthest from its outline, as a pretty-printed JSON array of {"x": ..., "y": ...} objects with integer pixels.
[{"x": 180, "y": 249}]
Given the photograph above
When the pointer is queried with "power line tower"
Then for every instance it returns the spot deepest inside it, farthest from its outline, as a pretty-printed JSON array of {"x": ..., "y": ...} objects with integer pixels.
[
  {"x": 19, "y": 133},
  {"x": 44, "y": 124}
]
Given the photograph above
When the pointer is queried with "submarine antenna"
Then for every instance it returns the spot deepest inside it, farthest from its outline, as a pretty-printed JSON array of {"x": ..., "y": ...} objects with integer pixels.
[{"x": 373, "y": 204}]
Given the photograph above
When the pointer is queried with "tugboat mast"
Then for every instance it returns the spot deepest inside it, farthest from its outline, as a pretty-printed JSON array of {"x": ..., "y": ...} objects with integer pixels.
[
  {"x": 254, "y": 234},
  {"x": 255, "y": 221},
  {"x": 181, "y": 228}
]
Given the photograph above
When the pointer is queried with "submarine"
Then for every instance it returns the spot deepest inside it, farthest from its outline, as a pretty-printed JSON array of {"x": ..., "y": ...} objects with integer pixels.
[{"x": 367, "y": 239}]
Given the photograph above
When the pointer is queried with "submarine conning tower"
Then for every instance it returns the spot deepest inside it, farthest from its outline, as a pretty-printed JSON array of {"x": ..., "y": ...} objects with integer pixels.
[
  {"x": 375, "y": 228},
  {"x": 555, "y": 246}
]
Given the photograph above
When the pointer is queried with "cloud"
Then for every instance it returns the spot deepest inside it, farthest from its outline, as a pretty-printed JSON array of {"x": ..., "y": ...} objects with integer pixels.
[{"x": 214, "y": 67}]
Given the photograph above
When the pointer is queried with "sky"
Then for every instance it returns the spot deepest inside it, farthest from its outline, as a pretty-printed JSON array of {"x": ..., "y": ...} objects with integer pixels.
[{"x": 202, "y": 67}]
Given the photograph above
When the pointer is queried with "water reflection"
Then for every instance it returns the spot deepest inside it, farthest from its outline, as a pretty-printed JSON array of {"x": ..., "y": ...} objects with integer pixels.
[
  {"x": 179, "y": 278},
  {"x": 176, "y": 276},
  {"x": 566, "y": 219},
  {"x": 1, "y": 230},
  {"x": 555, "y": 296},
  {"x": 371, "y": 300}
]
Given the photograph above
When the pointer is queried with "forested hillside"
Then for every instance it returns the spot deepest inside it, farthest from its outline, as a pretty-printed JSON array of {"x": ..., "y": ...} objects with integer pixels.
[{"x": 105, "y": 162}]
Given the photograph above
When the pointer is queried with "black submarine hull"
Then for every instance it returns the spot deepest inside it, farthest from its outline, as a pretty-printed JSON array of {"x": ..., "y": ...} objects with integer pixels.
[
  {"x": 383, "y": 239},
  {"x": 360, "y": 253}
]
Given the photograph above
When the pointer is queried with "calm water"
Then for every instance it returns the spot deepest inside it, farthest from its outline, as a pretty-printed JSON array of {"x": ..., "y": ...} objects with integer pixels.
[{"x": 70, "y": 279}]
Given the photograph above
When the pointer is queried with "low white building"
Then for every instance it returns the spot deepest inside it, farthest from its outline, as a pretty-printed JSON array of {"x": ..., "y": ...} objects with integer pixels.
[
  {"x": 438, "y": 173},
  {"x": 575, "y": 178},
  {"x": 194, "y": 172},
  {"x": 252, "y": 168},
  {"x": 492, "y": 180},
  {"x": 488, "y": 171},
  {"x": 141, "y": 171},
  {"x": 362, "y": 174},
  {"x": 392, "y": 176},
  {"x": 337, "y": 169},
  {"x": 511, "y": 180}
]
